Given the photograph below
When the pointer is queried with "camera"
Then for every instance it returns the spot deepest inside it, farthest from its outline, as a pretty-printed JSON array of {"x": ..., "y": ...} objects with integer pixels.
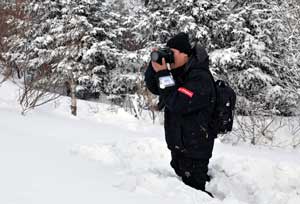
[{"x": 167, "y": 53}]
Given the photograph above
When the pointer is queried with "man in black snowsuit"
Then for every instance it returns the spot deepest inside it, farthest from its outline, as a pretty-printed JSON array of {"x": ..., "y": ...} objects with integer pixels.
[{"x": 188, "y": 105}]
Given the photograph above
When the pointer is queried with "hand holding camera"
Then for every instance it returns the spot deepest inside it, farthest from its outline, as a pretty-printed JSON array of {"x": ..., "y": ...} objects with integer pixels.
[{"x": 161, "y": 57}]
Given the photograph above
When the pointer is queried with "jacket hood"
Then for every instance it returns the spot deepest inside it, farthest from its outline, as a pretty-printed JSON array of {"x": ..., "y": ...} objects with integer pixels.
[{"x": 199, "y": 59}]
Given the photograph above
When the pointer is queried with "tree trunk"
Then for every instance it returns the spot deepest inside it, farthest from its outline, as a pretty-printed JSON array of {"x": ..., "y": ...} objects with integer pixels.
[{"x": 73, "y": 98}]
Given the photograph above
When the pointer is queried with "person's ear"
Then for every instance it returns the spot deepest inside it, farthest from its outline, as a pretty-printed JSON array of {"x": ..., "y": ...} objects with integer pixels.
[{"x": 186, "y": 56}]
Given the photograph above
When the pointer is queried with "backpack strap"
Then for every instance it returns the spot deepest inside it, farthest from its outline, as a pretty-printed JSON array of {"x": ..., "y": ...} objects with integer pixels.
[{"x": 214, "y": 99}]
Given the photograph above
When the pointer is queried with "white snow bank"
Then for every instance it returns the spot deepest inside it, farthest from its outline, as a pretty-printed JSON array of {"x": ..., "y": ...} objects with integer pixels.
[{"x": 107, "y": 156}]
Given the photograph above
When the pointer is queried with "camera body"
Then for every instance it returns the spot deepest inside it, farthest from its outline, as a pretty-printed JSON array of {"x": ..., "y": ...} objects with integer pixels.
[{"x": 166, "y": 52}]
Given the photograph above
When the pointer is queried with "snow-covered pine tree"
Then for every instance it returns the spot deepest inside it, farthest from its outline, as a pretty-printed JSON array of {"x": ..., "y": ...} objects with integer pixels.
[
  {"x": 91, "y": 39},
  {"x": 252, "y": 44},
  {"x": 243, "y": 40}
]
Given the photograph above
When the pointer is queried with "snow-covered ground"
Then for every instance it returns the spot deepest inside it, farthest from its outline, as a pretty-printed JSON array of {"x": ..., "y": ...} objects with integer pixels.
[{"x": 107, "y": 156}]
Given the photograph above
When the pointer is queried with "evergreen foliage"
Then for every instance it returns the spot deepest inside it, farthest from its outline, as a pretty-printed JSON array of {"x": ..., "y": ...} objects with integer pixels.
[{"x": 105, "y": 45}]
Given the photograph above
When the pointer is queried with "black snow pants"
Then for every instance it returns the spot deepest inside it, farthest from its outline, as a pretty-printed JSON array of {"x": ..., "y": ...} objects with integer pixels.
[{"x": 192, "y": 171}]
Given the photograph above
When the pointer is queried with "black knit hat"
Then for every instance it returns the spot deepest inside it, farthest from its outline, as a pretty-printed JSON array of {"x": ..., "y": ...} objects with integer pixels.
[{"x": 180, "y": 42}]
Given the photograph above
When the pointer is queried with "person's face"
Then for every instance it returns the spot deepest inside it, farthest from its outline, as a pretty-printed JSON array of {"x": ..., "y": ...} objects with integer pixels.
[{"x": 180, "y": 58}]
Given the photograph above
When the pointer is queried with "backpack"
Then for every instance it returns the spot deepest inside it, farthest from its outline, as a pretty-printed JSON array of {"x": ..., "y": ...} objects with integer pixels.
[{"x": 223, "y": 114}]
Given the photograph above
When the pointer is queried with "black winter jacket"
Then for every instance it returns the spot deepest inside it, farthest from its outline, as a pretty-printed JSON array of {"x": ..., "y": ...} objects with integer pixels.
[{"x": 188, "y": 105}]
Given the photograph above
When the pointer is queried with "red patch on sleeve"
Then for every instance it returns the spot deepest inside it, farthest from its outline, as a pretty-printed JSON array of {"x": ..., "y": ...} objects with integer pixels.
[{"x": 186, "y": 92}]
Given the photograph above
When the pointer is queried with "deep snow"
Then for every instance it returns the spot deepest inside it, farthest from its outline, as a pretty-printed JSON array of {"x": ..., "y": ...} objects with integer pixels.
[{"x": 105, "y": 155}]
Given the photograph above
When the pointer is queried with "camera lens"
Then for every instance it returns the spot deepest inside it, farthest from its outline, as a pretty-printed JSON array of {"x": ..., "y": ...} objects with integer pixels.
[{"x": 154, "y": 56}]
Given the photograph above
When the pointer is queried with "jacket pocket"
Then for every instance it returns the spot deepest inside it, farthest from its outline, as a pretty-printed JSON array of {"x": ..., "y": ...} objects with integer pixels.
[{"x": 193, "y": 133}]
